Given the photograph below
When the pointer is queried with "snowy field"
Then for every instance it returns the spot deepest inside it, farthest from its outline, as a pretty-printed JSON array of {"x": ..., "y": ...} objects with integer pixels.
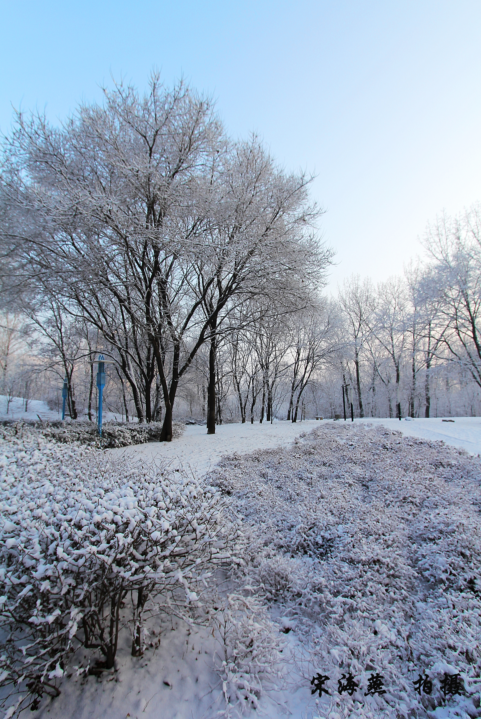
[
  {"x": 363, "y": 546},
  {"x": 200, "y": 452}
]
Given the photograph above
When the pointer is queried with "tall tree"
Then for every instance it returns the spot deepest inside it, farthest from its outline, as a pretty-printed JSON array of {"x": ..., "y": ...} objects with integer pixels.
[
  {"x": 356, "y": 301},
  {"x": 143, "y": 221}
]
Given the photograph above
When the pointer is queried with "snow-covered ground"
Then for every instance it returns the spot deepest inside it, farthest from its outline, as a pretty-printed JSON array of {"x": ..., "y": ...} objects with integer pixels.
[
  {"x": 462, "y": 432},
  {"x": 367, "y": 549},
  {"x": 36, "y": 408},
  {"x": 200, "y": 452}
]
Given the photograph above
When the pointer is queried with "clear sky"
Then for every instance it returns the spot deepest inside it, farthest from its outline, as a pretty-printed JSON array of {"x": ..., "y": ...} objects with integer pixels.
[{"x": 380, "y": 99}]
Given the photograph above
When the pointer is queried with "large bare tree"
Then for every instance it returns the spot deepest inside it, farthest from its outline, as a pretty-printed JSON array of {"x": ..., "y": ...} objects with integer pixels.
[{"x": 143, "y": 221}]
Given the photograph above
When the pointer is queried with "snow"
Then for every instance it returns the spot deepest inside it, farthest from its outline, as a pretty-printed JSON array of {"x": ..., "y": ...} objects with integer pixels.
[
  {"x": 462, "y": 432},
  {"x": 388, "y": 578},
  {"x": 200, "y": 451},
  {"x": 36, "y": 408}
]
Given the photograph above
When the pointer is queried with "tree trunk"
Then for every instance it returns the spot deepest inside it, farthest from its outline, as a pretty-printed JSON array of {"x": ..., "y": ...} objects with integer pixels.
[
  {"x": 218, "y": 410},
  {"x": 157, "y": 411},
  {"x": 169, "y": 394},
  {"x": 71, "y": 402},
  {"x": 138, "y": 635},
  {"x": 358, "y": 383},
  {"x": 427, "y": 392},
  {"x": 291, "y": 403},
  {"x": 211, "y": 387},
  {"x": 254, "y": 397},
  {"x": 296, "y": 408},
  {"x": 413, "y": 387},
  {"x": 166, "y": 432},
  {"x": 91, "y": 390},
  {"x": 138, "y": 406},
  {"x": 124, "y": 398},
  {"x": 263, "y": 406},
  {"x": 239, "y": 397},
  {"x": 148, "y": 401}
]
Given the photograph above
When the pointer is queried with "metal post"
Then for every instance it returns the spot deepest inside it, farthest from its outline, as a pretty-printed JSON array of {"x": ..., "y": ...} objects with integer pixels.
[
  {"x": 344, "y": 401},
  {"x": 100, "y": 385},
  {"x": 64, "y": 396},
  {"x": 352, "y": 412}
]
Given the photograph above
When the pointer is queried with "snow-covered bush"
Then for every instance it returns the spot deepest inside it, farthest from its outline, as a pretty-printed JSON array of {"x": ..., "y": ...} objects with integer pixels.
[
  {"x": 114, "y": 434},
  {"x": 88, "y": 544},
  {"x": 250, "y": 652},
  {"x": 371, "y": 542}
]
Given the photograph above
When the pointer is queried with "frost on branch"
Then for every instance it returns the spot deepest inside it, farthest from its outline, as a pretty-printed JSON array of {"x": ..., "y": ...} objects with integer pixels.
[
  {"x": 249, "y": 657},
  {"x": 89, "y": 544}
]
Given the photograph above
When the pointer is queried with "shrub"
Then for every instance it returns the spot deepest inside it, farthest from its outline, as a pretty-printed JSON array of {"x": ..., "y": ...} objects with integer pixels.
[
  {"x": 250, "y": 652},
  {"x": 371, "y": 542},
  {"x": 88, "y": 544},
  {"x": 114, "y": 434}
]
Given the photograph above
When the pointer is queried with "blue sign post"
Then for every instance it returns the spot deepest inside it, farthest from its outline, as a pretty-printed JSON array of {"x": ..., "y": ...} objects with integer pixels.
[
  {"x": 100, "y": 385},
  {"x": 64, "y": 396}
]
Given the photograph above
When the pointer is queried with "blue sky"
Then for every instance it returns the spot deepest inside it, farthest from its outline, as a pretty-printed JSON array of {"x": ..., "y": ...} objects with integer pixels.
[{"x": 381, "y": 100}]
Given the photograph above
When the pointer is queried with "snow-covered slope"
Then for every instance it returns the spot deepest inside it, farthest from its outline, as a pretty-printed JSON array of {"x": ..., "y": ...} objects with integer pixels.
[{"x": 36, "y": 408}]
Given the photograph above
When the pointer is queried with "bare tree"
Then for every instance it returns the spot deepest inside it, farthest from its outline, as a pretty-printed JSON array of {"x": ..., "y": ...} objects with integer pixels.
[
  {"x": 455, "y": 283},
  {"x": 145, "y": 223},
  {"x": 389, "y": 327},
  {"x": 10, "y": 345},
  {"x": 316, "y": 339},
  {"x": 357, "y": 304}
]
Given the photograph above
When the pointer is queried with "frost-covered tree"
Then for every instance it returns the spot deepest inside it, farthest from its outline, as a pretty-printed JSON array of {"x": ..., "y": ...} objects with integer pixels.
[
  {"x": 356, "y": 301},
  {"x": 146, "y": 223},
  {"x": 316, "y": 338},
  {"x": 389, "y": 329},
  {"x": 455, "y": 283}
]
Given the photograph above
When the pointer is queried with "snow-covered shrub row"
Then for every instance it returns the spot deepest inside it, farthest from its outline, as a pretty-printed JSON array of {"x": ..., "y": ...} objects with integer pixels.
[
  {"x": 114, "y": 434},
  {"x": 371, "y": 543},
  {"x": 89, "y": 544}
]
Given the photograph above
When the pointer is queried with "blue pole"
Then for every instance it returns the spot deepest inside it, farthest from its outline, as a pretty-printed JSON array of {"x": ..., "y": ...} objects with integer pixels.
[
  {"x": 100, "y": 385},
  {"x": 64, "y": 396},
  {"x": 101, "y": 391}
]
